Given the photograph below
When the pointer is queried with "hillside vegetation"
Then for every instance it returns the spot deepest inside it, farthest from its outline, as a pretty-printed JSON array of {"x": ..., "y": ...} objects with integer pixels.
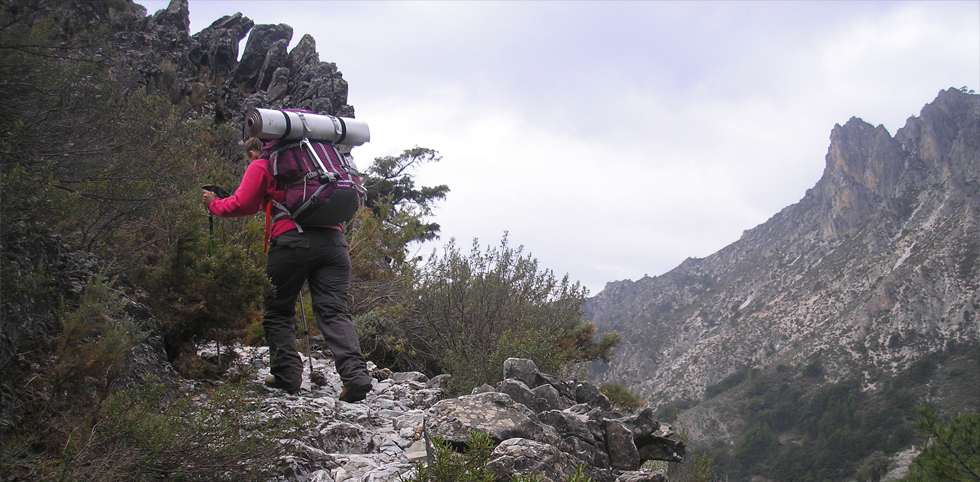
[
  {"x": 113, "y": 272},
  {"x": 802, "y": 349}
]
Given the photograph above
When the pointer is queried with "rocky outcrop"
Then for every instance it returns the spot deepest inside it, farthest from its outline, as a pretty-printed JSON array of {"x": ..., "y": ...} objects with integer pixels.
[
  {"x": 562, "y": 428},
  {"x": 41, "y": 277},
  {"x": 379, "y": 439},
  {"x": 875, "y": 267},
  {"x": 216, "y": 47},
  {"x": 267, "y": 74},
  {"x": 375, "y": 440},
  {"x": 160, "y": 54}
]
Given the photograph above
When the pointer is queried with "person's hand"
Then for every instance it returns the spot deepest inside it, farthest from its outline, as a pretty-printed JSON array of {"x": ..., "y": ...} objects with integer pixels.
[{"x": 207, "y": 197}]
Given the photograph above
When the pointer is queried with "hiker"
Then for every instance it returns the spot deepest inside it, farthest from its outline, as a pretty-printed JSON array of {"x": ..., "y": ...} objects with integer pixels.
[{"x": 317, "y": 255}]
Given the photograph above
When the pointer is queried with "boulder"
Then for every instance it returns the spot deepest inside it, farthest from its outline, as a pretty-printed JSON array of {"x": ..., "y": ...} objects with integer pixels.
[
  {"x": 521, "y": 369},
  {"x": 217, "y": 45},
  {"x": 275, "y": 59},
  {"x": 582, "y": 436},
  {"x": 402, "y": 377},
  {"x": 547, "y": 398},
  {"x": 523, "y": 456},
  {"x": 652, "y": 438},
  {"x": 588, "y": 393},
  {"x": 260, "y": 41},
  {"x": 495, "y": 413},
  {"x": 623, "y": 454},
  {"x": 517, "y": 391},
  {"x": 643, "y": 476}
]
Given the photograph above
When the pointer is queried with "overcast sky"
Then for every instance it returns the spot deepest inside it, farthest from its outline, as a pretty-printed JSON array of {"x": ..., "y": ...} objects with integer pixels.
[{"x": 615, "y": 139}]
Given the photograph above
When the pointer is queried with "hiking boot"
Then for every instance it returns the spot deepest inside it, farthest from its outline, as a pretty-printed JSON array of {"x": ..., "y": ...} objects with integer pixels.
[
  {"x": 272, "y": 382},
  {"x": 352, "y": 394}
]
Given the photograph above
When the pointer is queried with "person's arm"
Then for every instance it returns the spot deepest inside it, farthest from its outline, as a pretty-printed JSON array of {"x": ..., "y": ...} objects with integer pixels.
[{"x": 250, "y": 196}]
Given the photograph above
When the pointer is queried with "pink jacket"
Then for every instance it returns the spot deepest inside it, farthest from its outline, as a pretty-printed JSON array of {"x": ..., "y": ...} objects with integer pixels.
[{"x": 253, "y": 195}]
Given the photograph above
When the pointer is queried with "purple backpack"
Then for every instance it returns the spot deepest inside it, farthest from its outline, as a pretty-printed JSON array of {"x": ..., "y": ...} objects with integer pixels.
[{"x": 322, "y": 186}]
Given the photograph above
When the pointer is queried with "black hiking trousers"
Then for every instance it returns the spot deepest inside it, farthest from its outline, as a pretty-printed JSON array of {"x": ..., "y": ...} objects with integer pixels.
[{"x": 319, "y": 256}]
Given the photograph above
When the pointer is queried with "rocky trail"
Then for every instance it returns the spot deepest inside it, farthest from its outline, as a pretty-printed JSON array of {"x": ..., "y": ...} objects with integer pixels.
[{"x": 543, "y": 425}]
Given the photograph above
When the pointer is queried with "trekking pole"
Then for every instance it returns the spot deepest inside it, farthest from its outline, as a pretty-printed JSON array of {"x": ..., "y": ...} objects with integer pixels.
[
  {"x": 220, "y": 194},
  {"x": 306, "y": 329},
  {"x": 211, "y": 232}
]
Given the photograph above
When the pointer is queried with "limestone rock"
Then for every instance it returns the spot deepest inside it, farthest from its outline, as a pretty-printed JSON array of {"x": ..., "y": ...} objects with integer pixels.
[
  {"x": 522, "y": 370},
  {"x": 522, "y": 456},
  {"x": 623, "y": 454},
  {"x": 260, "y": 41},
  {"x": 873, "y": 269},
  {"x": 494, "y": 413},
  {"x": 274, "y": 58},
  {"x": 304, "y": 53},
  {"x": 176, "y": 15},
  {"x": 607, "y": 446},
  {"x": 217, "y": 47},
  {"x": 643, "y": 476}
]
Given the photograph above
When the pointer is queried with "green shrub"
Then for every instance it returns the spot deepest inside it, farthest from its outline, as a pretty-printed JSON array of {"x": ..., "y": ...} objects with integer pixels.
[
  {"x": 474, "y": 311},
  {"x": 463, "y": 314},
  {"x": 953, "y": 450},
  {"x": 201, "y": 297},
  {"x": 698, "y": 468},
  {"x": 449, "y": 465},
  {"x": 726, "y": 383},
  {"x": 469, "y": 463},
  {"x": 137, "y": 435},
  {"x": 620, "y": 395},
  {"x": 874, "y": 467}
]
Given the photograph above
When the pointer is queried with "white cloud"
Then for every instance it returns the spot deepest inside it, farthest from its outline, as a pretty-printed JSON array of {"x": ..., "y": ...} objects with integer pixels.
[{"x": 615, "y": 139}]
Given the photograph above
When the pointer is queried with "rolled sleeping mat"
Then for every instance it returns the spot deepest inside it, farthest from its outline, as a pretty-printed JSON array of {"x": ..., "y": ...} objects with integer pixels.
[{"x": 289, "y": 126}]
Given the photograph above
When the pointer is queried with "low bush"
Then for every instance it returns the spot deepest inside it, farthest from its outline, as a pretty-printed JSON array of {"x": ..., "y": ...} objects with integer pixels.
[
  {"x": 137, "y": 435},
  {"x": 469, "y": 463},
  {"x": 620, "y": 395}
]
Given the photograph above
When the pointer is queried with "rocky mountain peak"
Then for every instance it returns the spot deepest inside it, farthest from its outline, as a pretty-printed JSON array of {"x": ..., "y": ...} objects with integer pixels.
[
  {"x": 159, "y": 52},
  {"x": 217, "y": 46},
  {"x": 935, "y": 136},
  {"x": 882, "y": 246},
  {"x": 863, "y": 167},
  {"x": 177, "y": 17}
]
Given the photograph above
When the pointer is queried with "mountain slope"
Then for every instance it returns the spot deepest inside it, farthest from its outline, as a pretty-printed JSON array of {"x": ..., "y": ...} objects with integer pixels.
[{"x": 875, "y": 267}]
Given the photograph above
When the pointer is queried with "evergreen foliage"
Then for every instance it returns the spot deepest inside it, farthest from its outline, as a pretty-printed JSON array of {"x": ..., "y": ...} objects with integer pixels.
[
  {"x": 136, "y": 435},
  {"x": 835, "y": 432},
  {"x": 698, "y": 468},
  {"x": 835, "y": 427},
  {"x": 874, "y": 467},
  {"x": 448, "y": 465},
  {"x": 620, "y": 395},
  {"x": 100, "y": 202},
  {"x": 474, "y": 311},
  {"x": 391, "y": 186},
  {"x": 953, "y": 450},
  {"x": 468, "y": 463}
]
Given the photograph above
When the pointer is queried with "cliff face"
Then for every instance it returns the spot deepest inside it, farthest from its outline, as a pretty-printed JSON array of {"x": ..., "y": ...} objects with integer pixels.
[
  {"x": 875, "y": 267},
  {"x": 158, "y": 52}
]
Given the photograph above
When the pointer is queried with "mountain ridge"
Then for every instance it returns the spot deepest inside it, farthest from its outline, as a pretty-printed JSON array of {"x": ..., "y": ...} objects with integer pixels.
[{"x": 874, "y": 267}]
